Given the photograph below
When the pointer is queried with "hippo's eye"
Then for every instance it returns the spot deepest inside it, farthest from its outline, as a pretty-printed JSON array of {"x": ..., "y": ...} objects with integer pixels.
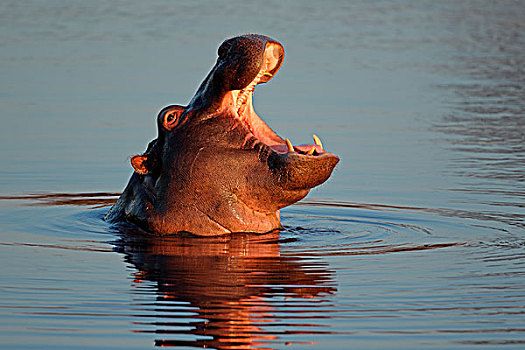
[{"x": 171, "y": 117}]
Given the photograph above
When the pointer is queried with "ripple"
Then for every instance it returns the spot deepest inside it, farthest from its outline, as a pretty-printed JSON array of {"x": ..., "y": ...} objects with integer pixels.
[
  {"x": 92, "y": 199},
  {"x": 338, "y": 269}
]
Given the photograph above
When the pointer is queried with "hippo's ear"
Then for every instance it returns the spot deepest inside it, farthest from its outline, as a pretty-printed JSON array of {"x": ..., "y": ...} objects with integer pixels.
[
  {"x": 138, "y": 163},
  {"x": 169, "y": 117}
]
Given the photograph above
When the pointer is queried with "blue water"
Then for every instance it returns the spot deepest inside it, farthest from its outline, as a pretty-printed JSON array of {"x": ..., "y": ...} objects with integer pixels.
[{"x": 416, "y": 241}]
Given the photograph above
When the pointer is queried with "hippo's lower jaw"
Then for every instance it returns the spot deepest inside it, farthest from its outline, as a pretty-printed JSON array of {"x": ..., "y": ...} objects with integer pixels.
[{"x": 216, "y": 167}]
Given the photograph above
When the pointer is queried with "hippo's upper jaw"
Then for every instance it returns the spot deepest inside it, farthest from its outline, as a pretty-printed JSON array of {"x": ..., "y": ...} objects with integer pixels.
[{"x": 216, "y": 167}]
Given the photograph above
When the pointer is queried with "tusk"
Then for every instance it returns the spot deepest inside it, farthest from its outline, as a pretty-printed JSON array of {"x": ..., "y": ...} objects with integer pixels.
[
  {"x": 317, "y": 140},
  {"x": 311, "y": 151},
  {"x": 289, "y": 145}
]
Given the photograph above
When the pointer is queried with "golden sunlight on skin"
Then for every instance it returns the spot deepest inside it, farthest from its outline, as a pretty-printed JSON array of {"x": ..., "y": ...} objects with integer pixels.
[{"x": 226, "y": 281}]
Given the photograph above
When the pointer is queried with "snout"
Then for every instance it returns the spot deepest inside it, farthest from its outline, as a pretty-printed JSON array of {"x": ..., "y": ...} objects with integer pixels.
[{"x": 242, "y": 58}]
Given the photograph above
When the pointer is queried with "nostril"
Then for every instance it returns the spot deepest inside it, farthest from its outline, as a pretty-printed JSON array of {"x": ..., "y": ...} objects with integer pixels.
[{"x": 223, "y": 49}]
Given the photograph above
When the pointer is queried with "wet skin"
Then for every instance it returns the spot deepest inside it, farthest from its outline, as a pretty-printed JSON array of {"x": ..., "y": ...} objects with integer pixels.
[{"x": 216, "y": 167}]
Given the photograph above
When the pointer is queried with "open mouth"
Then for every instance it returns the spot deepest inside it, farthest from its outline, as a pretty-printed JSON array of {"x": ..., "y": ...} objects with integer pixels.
[{"x": 243, "y": 106}]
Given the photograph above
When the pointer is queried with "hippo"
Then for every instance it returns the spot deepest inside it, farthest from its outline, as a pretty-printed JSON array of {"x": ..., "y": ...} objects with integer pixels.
[{"x": 216, "y": 167}]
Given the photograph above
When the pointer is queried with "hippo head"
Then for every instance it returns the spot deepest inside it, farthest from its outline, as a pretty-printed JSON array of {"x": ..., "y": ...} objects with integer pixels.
[{"x": 216, "y": 167}]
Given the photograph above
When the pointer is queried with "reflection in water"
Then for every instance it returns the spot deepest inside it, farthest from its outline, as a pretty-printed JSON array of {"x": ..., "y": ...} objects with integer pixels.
[
  {"x": 403, "y": 283},
  {"x": 226, "y": 292}
]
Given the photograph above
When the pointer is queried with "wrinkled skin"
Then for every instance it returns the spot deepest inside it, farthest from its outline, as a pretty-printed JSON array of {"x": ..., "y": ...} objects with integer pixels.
[{"x": 216, "y": 167}]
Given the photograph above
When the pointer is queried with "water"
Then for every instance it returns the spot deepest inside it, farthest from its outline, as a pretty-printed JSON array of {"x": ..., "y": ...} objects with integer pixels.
[{"x": 416, "y": 242}]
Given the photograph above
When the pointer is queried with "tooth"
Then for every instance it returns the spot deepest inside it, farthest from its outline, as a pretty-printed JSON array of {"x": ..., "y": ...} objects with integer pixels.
[
  {"x": 317, "y": 140},
  {"x": 289, "y": 145},
  {"x": 311, "y": 151}
]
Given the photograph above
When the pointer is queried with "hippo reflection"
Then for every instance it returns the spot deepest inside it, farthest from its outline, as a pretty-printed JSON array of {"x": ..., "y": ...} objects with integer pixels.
[
  {"x": 216, "y": 167},
  {"x": 224, "y": 291}
]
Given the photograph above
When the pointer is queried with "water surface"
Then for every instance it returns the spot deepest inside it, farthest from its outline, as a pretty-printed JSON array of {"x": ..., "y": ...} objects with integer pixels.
[{"x": 416, "y": 242}]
